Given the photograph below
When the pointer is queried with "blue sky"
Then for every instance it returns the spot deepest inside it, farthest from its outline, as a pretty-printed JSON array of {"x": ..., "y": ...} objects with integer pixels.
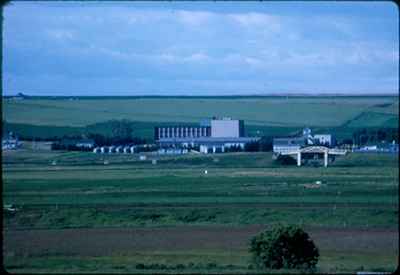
[{"x": 200, "y": 48}]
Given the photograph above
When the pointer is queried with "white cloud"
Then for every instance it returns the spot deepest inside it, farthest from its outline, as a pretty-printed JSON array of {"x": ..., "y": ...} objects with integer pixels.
[
  {"x": 140, "y": 16},
  {"x": 235, "y": 60},
  {"x": 194, "y": 18},
  {"x": 61, "y": 34},
  {"x": 186, "y": 17},
  {"x": 253, "y": 61},
  {"x": 195, "y": 58},
  {"x": 198, "y": 57},
  {"x": 254, "y": 19},
  {"x": 178, "y": 40},
  {"x": 335, "y": 23},
  {"x": 340, "y": 54},
  {"x": 166, "y": 57}
]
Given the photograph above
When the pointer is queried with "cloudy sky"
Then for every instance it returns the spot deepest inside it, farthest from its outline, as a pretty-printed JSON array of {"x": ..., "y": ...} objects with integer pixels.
[{"x": 206, "y": 48}]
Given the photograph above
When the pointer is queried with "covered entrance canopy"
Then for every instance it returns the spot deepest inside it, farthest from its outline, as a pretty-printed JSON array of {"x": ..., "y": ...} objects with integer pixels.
[{"x": 315, "y": 150}]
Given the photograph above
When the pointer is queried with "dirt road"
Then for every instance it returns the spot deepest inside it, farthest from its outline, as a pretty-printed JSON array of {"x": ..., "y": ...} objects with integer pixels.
[{"x": 125, "y": 241}]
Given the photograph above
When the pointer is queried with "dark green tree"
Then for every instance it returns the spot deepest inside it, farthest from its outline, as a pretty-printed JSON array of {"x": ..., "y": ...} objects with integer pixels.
[
  {"x": 285, "y": 160},
  {"x": 251, "y": 147},
  {"x": 266, "y": 143},
  {"x": 121, "y": 129},
  {"x": 284, "y": 247}
]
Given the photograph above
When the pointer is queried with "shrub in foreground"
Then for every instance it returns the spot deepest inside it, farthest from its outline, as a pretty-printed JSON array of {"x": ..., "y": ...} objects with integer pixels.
[{"x": 284, "y": 247}]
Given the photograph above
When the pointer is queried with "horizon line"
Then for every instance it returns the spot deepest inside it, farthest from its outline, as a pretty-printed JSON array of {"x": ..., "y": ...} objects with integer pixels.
[{"x": 205, "y": 95}]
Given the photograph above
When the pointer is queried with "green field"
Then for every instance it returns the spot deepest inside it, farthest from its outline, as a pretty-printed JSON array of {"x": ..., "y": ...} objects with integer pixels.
[
  {"x": 49, "y": 117},
  {"x": 77, "y": 214},
  {"x": 231, "y": 178},
  {"x": 241, "y": 191}
]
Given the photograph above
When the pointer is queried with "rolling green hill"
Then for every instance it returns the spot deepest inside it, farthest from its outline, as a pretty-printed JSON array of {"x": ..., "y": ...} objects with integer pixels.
[{"x": 265, "y": 115}]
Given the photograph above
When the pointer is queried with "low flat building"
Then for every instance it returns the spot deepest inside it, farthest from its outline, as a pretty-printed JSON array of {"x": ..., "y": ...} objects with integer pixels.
[
  {"x": 85, "y": 143},
  {"x": 207, "y": 141},
  {"x": 324, "y": 139},
  {"x": 10, "y": 144},
  {"x": 172, "y": 151},
  {"x": 287, "y": 144},
  {"x": 181, "y": 132},
  {"x": 213, "y": 135},
  {"x": 68, "y": 143}
]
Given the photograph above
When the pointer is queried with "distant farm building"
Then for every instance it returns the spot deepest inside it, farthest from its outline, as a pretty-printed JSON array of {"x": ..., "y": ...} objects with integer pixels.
[
  {"x": 111, "y": 149},
  {"x": 283, "y": 145},
  {"x": 11, "y": 142},
  {"x": 85, "y": 143},
  {"x": 78, "y": 143},
  {"x": 379, "y": 148},
  {"x": 172, "y": 151},
  {"x": 325, "y": 139},
  {"x": 19, "y": 96},
  {"x": 307, "y": 144},
  {"x": 318, "y": 139},
  {"x": 219, "y": 135},
  {"x": 120, "y": 149}
]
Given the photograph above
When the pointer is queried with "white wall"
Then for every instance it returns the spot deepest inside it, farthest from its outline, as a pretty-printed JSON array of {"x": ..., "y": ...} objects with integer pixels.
[
  {"x": 224, "y": 128},
  {"x": 285, "y": 149},
  {"x": 324, "y": 139}
]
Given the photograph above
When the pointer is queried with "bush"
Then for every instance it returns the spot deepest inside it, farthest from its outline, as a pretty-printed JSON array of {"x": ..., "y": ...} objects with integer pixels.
[
  {"x": 235, "y": 148},
  {"x": 286, "y": 160},
  {"x": 284, "y": 247},
  {"x": 266, "y": 144},
  {"x": 251, "y": 147}
]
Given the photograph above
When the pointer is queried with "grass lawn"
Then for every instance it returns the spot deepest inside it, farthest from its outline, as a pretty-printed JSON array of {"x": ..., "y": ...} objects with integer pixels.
[{"x": 132, "y": 216}]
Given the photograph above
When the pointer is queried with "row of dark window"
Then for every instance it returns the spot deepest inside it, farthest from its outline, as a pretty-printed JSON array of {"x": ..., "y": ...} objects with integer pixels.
[{"x": 181, "y": 132}]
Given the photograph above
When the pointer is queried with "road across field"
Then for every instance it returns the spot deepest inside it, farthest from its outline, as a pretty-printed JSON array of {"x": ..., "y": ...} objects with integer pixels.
[
  {"x": 133, "y": 206},
  {"x": 126, "y": 241}
]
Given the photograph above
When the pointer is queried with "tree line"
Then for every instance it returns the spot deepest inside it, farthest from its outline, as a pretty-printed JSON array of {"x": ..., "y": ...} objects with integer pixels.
[
  {"x": 374, "y": 135},
  {"x": 120, "y": 132}
]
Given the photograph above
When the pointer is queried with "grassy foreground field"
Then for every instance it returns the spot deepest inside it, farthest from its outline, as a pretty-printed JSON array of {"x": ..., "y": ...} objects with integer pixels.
[
  {"x": 76, "y": 214},
  {"x": 49, "y": 117},
  {"x": 80, "y": 215}
]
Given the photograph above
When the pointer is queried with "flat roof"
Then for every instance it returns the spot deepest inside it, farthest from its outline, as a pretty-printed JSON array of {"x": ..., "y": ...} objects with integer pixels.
[
  {"x": 289, "y": 141},
  {"x": 210, "y": 139}
]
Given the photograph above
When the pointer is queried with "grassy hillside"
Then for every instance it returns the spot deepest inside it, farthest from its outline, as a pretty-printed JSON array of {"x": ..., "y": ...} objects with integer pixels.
[
  {"x": 265, "y": 111},
  {"x": 44, "y": 117}
]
